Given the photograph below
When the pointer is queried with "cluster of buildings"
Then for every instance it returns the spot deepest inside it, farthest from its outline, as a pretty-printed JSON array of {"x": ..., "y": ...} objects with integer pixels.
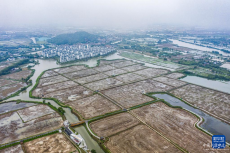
[{"x": 74, "y": 52}]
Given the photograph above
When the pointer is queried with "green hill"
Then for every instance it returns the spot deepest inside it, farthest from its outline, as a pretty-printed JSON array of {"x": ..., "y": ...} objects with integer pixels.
[{"x": 73, "y": 38}]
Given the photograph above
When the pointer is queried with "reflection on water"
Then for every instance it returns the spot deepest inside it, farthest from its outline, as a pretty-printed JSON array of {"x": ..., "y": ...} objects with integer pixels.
[
  {"x": 210, "y": 123},
  {"x": 217, "y": 85}
]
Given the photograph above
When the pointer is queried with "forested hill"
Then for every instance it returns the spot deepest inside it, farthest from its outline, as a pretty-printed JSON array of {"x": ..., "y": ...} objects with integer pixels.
[{"x": 73, "y": 38}]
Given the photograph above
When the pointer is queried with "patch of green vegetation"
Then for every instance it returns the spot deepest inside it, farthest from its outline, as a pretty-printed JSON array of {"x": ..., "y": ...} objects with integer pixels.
[{"x": 73, "y": 38}]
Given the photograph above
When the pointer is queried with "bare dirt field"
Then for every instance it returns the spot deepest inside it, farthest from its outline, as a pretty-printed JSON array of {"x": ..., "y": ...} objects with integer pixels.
[
  {"x": 134, "y": 67},
  {"x": 70, "y": 95},
  {"x": 13, "y": 149},
  {"x": 139, "y": 139},
  {"x": 82, "y": 73},
  {"x": 49, "y": 74},
  {"x": 51, "y": 80},
  {"x": 115, "y": 72},
  {"x": 123, "y": 64},
  {"x": 103, "y": 84},
  {"x": 12, "y": 128},
  {"x": 70, "y": 69},
  {"x": 169, "y": 81},
  {"x": 176, "y": 124},
  {"x": 4, "y": 82},
  {"x": 6, "y": 91},
  {"x": 132, "y": 94},
  {"x": 175, "y": 75},
  {"x": 151, "y": 72},
  {"x": 105, "y": 62},
  {"x": 215, "y": 102},
  {"x": 93, "y": 106},
  {"x": 113, "y": 124},
  {"x": 33, "y": 112},
  {"x": 104, "y": 68},
  {"x": 17, "y": 75},
  {"x": 56, "y": 143},
  {"x": 53, "y": 87},
  {"x": 91, "y": 78},
  {"x": 129, "y": 77},
  {"x": 11, "y": 106}
]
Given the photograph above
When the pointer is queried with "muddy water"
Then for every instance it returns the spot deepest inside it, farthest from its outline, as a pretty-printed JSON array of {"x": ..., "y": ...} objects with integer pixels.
[
  {"x": 217, "y": 85},
  {"x": 210, "y": 123}
]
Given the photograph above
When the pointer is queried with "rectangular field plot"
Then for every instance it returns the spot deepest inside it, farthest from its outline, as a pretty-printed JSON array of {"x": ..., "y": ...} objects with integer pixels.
[
  {"x": 38, "y": 92},
  {"x": 13, "y": 149},
  {"x": 82, "y": 73},
  {"x": 106, "y": 62},
  {"x": 113, "y": 124},
  {"x": 175, "y": 75},
  {"x": 12, "y": 128},
  {"x": 169, "y": 81},
  {"x": 115, "y": 72},
  {"x": 93, "y": 106},
  {"x": 140, "y": 139},
  {"x": 132, "y": 94},
  {"x": 91, "y": 78},
  {"x": 11, "y": 106},
  {"x": 151, "y": 72},
  {"x": 70, "y": 69},
  {"x": 17, "y": 75},
  {"x": 103, "y": 84},
  {"x": 70, "y": 95},
  {"x": 129, "y": 77},
  {"x": 134, "y": 67},
  {"x": 6, "y": 91},
  {"x": 56, "y": 143},
  {"x": 49, "y": 74},
  {"x": 4, "y": 82},
  {"x": 51, "y": 80},
  {"x": 33, "y": 112},
  {"x": 123, "y": 64},
  {"x": 176, "y": 124},
  {"x": 215, "y": 102},
  {"x": 104, "y": 68}
]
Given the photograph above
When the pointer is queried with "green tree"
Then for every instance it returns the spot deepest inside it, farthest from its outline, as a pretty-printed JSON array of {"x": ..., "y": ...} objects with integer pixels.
[{"x": 93, "y": 151}]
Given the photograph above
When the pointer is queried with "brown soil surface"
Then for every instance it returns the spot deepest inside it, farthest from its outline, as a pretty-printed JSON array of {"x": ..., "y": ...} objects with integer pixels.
[
  {"x": 6, "y": 91},
  {"x": 17, "y": 75},
  {"x": 82, "y": 73},
  {"x": 140, "y": 139},
  {"x": 129, "y": 77},
  {"x": 4, "y": 82},
  {"x": 123, "y": 64},
  {"x": 134, "y": 67},
  {"x": 169, "y": 81},
  {"x": 104, "y": 68},
  {"x": 53, "y": 87},
  {"x": 56, "y": 143},
  {"x": 175, "y": 124},
  {"x": 91, "y": 78},
  {"x": 70, "y": 94},
  {"x": 103, "y": 84},
  {"x": 115, "y": 72},
  {"x": 175, "y": 75},
  {"x": 70, "y": 69},
  {"x": 215, "y": 102},
  {"x": 12, "y": 128},
  {"x": 105, "y": 62},
  {"x": 49, "y": 74},
  {"x": 93, "y": 106},
  {"x": 51, "y": 80},
  {"x": 151, "y": 72},
  {"x": 13, "y": 149},
  {"x": 113, "y": 124},
  {"x": 132, "y": 94}
]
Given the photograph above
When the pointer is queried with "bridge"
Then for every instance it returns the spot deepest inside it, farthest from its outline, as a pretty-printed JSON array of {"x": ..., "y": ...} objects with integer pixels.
[{"x": 78, "y": 123}]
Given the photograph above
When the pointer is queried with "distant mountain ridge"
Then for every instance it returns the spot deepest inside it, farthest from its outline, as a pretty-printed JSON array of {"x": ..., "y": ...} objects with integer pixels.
[{"x": 73, "y": 38}]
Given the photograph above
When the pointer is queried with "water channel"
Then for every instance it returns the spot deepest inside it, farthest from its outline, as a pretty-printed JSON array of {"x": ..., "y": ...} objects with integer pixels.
[
  {"x": 210, "y": 123},
  {"x": 48, "y": 64}
]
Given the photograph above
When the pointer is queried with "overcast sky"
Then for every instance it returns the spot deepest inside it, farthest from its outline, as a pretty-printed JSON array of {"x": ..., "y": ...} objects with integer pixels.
[{"x": 115, "y": 13}]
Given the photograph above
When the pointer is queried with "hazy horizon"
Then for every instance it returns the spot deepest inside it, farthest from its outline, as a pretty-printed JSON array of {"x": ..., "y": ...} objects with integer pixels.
[{"x": 123, "y": 14}]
